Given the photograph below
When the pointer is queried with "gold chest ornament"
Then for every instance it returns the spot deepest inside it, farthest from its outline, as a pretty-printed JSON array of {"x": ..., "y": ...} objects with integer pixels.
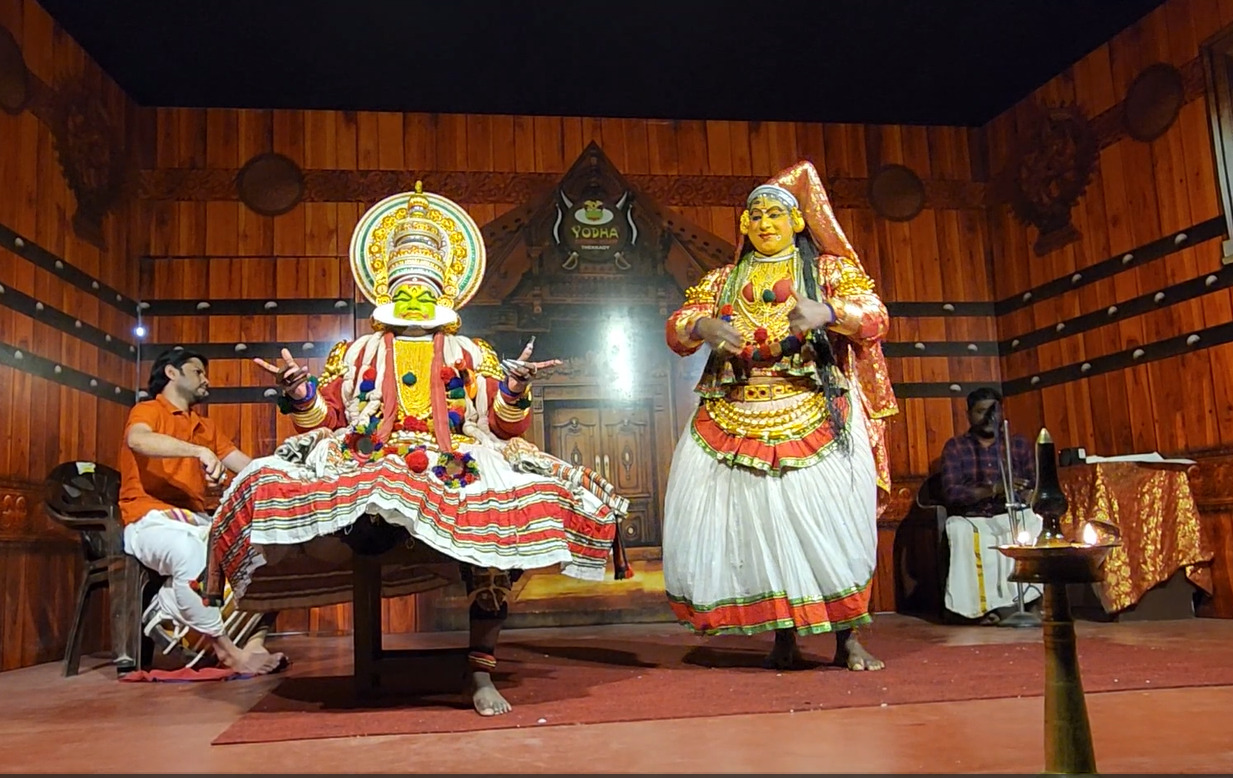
[
  {"x": 413, "y": 365},
  {"x": 764, "y": 310}
]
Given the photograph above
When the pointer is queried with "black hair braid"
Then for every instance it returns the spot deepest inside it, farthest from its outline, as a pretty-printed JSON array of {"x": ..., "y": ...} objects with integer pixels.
[{"x": 824, "y": 359}]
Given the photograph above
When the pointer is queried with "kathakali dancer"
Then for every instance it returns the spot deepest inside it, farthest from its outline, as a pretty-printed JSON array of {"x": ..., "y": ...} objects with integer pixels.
[
  {"x": 770, "y": 517},
  {"x": 421, "y": 427}
]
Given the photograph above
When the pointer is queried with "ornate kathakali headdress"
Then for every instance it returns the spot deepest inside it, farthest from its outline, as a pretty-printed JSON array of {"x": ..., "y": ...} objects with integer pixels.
[
  {"x": 803, "y": 185},
  {"x": 779, "y": 195},
  {"x": 418, "y": 238}
]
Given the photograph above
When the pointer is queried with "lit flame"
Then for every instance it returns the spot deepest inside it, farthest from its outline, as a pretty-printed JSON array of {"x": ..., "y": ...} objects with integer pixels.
[
  {"x": 1024, "y": 538},
  {"x": 1090, "y": 538}
]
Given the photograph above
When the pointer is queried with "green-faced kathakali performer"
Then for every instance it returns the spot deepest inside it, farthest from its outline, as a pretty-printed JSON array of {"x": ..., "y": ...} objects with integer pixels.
[{"x": 421, "y": 426}]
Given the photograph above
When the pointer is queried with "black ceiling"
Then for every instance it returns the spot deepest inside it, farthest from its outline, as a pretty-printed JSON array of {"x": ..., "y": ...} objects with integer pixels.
[{"x": 958, "y": 62}]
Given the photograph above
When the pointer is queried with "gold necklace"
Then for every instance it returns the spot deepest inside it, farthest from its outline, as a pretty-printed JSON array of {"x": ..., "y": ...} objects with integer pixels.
[{"x": 748, "y": 315}]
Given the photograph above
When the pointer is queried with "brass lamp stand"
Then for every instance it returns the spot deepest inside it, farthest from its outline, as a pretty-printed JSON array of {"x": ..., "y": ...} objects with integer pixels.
[{"x": 1055, "y": 561}]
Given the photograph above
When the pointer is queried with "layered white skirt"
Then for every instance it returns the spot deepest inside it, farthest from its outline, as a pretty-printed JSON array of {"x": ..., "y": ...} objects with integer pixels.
[{"x": 746, "y": 552}]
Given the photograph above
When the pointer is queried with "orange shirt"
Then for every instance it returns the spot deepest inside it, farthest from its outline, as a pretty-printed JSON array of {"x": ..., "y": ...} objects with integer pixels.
[{"x": 162, "y": 483}]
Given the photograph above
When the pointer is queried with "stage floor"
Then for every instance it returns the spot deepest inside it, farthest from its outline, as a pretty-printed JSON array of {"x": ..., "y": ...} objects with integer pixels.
[{"x": 92, "y": 723}]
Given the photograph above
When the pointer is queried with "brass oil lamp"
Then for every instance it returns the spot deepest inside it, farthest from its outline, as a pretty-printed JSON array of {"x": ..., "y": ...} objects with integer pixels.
[{"x": 1055, "y": 561}]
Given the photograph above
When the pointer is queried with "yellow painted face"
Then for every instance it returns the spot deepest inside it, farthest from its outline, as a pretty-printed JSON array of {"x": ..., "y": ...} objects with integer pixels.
[
  {"x": 415, "y": 303},
  {"x": 770, "y": 226}
]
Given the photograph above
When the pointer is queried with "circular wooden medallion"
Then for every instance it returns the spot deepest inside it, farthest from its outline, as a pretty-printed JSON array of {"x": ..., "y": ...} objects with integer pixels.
[
  {"x": 896, "y": 193},
  {"x": 1153, "y": 101},
  {"x": 270, "y": 184},
  {"x": 14, "y": 78}
]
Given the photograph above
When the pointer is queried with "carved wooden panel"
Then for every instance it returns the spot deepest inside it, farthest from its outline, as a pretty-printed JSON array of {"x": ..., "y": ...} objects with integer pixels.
[
  {"x": 627, "y": 450},
  {"x": 15, "y": 517},
  {"x": 619, "y": 444},
  {"x": 474, "y": 187},
  {"x": 641, "y": 527},
  {"x": 14, "y": 78},
  {"x": 1211, "y": 481},
  {"x": 1055, "y": 160},
  {"x": 574, "y": 435}
]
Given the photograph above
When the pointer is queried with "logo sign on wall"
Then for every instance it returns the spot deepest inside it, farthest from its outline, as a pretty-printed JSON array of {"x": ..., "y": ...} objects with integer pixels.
[{"x": 595, "y": 229}]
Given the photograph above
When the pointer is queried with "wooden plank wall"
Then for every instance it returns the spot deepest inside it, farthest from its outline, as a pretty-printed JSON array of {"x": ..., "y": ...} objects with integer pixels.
[
  {"x": 206, "y": 245},
  {"x": 204, "y": 248},
  {"x": 1140, "y": 192},
  {"x": 44, "y": 421}
]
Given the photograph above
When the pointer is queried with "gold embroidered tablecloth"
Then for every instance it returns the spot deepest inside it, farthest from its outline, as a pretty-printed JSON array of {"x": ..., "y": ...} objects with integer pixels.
[{"x": 1154, "y": 509}]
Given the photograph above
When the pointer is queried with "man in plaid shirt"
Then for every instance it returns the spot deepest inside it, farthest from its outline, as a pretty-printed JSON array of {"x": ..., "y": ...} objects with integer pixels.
[{"x": 975, "y": 498}]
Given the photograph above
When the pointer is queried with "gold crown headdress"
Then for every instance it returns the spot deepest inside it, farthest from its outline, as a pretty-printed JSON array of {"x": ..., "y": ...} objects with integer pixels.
[
  {"x": 418, "y": 235},
  {"x": 418, "y": 248}
]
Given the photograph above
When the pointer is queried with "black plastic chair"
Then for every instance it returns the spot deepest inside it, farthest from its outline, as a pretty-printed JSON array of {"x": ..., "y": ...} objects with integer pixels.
[{"x": 84, "y": 496}]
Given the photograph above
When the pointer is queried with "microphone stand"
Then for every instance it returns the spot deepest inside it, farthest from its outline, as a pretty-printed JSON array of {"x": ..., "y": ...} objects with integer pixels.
[{"x": 1014, "y": 509}]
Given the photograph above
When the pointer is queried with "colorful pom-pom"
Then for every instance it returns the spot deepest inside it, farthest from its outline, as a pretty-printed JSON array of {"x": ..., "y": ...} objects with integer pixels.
[{"x": 417, "y": 460}]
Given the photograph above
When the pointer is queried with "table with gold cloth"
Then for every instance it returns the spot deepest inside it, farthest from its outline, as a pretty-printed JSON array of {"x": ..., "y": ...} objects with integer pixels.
[{"x": 1154, "y": 509}]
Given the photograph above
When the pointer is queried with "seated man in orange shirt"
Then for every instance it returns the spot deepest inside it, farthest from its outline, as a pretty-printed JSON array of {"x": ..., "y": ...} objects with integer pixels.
[{"x": 169, "y": 458}]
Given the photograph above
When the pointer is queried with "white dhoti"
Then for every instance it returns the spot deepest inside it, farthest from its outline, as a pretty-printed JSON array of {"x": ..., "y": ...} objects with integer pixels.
[
  {"x": 173, "y": 544},
  {"x": 745, "y": 552},
  {"x": 977, "y": 581}
]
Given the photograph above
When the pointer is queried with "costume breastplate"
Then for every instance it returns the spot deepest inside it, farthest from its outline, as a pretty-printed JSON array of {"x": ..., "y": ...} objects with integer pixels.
[
  {"x": 762, "y": 298},
  {"x": 413, "y": 363}
]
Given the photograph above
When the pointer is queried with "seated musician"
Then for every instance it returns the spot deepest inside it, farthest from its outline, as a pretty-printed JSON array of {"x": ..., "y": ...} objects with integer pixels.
[
  {"x": 974, "y": 494},
  {"x": 172, "y": 462}
]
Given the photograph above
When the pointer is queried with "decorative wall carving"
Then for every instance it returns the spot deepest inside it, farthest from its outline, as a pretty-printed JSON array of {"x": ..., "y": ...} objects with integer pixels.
[
  {"x": 270, "y": 184},
  {"x": 14, "y": 511},
  {"x": 477, "y": 187},
  {"x": 88, "y": 143},
  {"x": 14, "y": 78},
  {"x": 91, "y": 155},
  {"x": 1055, "y": 159}
]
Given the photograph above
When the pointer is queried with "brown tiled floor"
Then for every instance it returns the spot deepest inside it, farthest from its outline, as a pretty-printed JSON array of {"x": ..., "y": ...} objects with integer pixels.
[{"x": 91, "y": 723}]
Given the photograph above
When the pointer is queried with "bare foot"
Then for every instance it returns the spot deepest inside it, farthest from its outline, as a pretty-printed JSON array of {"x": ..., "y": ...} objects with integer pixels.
[
  {"x": 786, "y": 655},
  {"x": 485, "y": 697},
  {"x": 255, "y": 660},
  {"x": 850, "y": 653}
]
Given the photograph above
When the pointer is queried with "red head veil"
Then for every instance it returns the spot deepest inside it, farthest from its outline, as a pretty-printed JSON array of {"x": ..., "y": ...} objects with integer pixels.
[{"x": 868, "y": 364}]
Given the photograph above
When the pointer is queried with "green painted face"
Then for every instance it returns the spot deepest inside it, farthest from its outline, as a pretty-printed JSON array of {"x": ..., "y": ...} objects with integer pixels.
[{"x": 415, "y": 303}]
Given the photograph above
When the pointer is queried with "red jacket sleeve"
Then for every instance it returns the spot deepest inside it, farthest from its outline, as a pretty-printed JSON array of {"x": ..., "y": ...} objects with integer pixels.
[
  {"x": 508, "y": 416},
  {"x": 700, "y": 303},
  {"x": 327, "y": 410}
]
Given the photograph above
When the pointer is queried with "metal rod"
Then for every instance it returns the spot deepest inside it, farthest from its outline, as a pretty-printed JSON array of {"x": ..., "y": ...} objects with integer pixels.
[{"x": 1021, "y": 618}]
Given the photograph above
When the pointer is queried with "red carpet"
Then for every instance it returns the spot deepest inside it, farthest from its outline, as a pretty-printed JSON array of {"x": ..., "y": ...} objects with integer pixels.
[
  {"x": 557, "y": 681},
  {"x": 183, "y": 675}
]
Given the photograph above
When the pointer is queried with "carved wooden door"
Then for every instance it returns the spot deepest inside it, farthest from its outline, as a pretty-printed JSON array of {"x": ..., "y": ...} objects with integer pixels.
[{"x": 617, "y": 442}]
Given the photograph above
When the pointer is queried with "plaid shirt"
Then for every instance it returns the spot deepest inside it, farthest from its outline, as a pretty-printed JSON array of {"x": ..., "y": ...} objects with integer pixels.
[{"x": 967, "y": 466}]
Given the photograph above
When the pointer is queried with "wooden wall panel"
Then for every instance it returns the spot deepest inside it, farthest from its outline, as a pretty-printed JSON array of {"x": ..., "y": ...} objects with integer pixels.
[
  {"x": 1140, "y": 192},
  {"x": 42, "y": 420},
  {"x": 205, "y": 247},
  {"x": 925, "y": 259}
]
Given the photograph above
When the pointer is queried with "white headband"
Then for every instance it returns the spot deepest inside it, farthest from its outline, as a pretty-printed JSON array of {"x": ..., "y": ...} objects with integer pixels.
[{"x": 777, "y": 193}]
